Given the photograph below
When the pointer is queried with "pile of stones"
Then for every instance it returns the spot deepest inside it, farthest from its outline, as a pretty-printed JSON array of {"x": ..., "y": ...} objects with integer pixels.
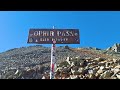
[
  {"x": 88, "y": 68},
  {"x": 31, "y": 72}
]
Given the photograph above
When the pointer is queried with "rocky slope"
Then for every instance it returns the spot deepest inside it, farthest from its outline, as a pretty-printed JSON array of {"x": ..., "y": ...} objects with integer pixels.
[{"x": 83, "y": 63}]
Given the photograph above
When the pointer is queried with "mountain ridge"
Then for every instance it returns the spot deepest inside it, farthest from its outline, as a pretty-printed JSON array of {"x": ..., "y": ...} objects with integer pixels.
[{"x": 29, "y": 59}]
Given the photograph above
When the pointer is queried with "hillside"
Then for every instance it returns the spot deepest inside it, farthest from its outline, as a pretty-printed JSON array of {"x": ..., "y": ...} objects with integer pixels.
[{"x": 33, "y": 62}]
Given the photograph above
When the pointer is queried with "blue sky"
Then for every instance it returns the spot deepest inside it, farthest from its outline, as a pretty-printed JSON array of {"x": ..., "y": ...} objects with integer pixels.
[{"x": 99, "y": 29}]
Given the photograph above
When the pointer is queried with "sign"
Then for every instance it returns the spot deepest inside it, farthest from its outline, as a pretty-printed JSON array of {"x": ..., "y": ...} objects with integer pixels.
[{"x": 47, "y": 36}]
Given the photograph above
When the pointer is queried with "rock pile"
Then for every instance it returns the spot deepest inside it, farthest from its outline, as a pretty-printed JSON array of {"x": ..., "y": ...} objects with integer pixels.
[
  {"x": 72, "y": 63},
  {"x": 36, "y": 72},
  {"x": 88, "y": 68}
]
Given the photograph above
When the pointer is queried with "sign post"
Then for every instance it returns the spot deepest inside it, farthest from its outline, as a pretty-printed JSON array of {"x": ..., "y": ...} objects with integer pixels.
[
  {"x": 53, "y": 36},
  {"x": 53, "y": 60}
]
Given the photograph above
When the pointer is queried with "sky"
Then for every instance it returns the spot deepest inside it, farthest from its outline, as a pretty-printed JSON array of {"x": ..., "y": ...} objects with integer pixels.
[{"x": 99, "y": 29}]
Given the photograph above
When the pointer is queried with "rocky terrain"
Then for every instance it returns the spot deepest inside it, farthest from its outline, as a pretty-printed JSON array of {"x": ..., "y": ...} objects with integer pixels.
[{"x": 33, "y": 62}]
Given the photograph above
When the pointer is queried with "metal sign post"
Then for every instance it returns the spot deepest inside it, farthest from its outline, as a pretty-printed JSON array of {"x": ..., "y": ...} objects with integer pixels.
[{"x": 53, "y": 60}]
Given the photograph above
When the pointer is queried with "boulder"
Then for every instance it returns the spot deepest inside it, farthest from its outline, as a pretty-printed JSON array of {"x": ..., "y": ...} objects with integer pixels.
[
  {"x": 97, "y": 75},
  {"x": 106, "y": 74},
  {"x": 66, "y": 70},
  {"x": 90, "y": 71},
  {"x": 75, "y": 68},
  {"x": 76, "y": 73},
  {"x": 101, "y": 63},
  {"x": 118, "y": 76},
  {"x": 81, "y": 63},
  {"x": 96, "y": 59},
  {"x": 118, "y": 66},
  {"x": 99, "y": 59},
  {"x": 94, "y": 63},
  {"x": 114, "y": 60},
  {"x": 81, "y": 70},
  {"x": 100, "y": 71},
  {"x": 17, "y": 71},
  {"x": 88, "y": 58},
  {"x": 43, "y": 77},
  {"x": 113, "y": 78},
  {"x": 102, "y": 67},
  {"x": 73, "y": 77},
  {"x": 116, "y": 70},
  {"x": 107, "y": 64},
  {"x": 72, "y": 64},
  {"x": 91, "y": 76},
  {"x": 68, "y": 60}
]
